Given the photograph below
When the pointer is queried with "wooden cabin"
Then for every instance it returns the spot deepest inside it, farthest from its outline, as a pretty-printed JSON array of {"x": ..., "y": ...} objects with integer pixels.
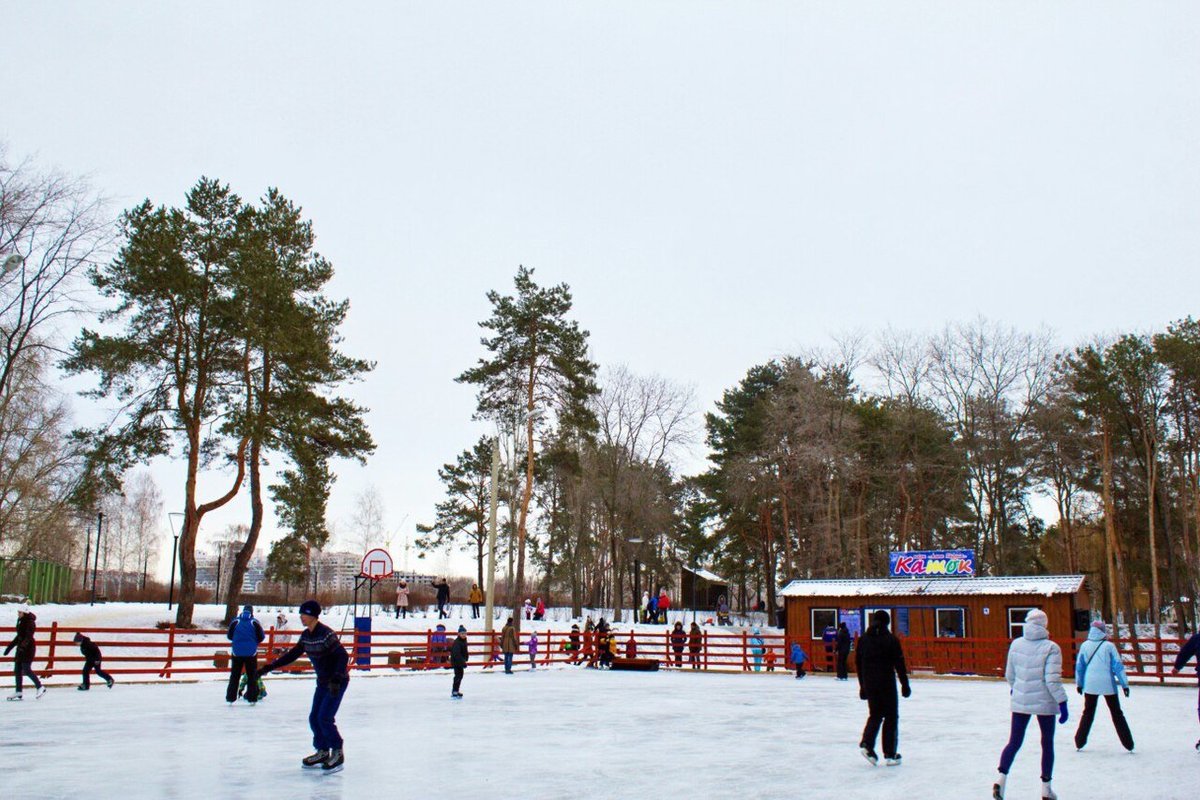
[{"x": 950, "y": 625}]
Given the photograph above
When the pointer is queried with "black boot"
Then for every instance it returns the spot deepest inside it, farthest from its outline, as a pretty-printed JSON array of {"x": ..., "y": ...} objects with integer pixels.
[{"x": 316, "y": 759}]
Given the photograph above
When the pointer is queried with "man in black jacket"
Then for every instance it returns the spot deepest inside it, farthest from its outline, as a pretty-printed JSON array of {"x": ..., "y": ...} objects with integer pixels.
[
  {"x": 26, "y": 647},
  {"x": 842, "y": 644},
  {"x": 458, "y": 660},
  {"x": 880, "y": 661},
  {"x": 443, "y": 599},
  {"x": 331, "y": 663},
  {"x": 91, "y": 661}
]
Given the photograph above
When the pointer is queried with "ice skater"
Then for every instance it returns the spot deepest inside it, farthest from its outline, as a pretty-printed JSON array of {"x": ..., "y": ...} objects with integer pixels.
[
  {"x": 26, "y": 648},
  {"x": 1098, "y": 671},
  {"x": 91, "y": 661},
  {"x": 533, "y": 649},
  {"x": 1190, "y": 648},
  {"x": 841, "y": 643},
  {"x": 331, "y": 663},
  {"x": 508, "y": 645},
  {"x": 756, "y": 648},
  {"x": 695, "y": 645},
  {"x": 879, "y": 662},
  {"x": 246, "y": 634},
  {"x": 458, "y": 660},
  {"x": 1034, "y": 674},
  {"x": 798, "y": 658}
]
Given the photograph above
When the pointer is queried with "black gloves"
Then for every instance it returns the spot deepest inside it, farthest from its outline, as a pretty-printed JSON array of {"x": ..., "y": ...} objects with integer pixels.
[
  {"x": 1125, "y": 689},
  {"x": 1078, "y": 689},
  {"x": 906, "y": 691},
  {"x": 862, "y": 693}
]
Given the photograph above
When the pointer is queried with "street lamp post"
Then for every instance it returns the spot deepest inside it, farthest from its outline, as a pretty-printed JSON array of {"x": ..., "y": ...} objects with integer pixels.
[
  {"x": 96, "y": 563},
  {"x": 174, "y": 556}
]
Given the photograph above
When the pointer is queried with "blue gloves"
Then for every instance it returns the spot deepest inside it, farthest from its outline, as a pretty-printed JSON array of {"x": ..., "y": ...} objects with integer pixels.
[{"x": 1062, "y": 713}]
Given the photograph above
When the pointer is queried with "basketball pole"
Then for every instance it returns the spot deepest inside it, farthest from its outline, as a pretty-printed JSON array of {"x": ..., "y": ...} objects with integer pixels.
[{"x": 491, "y": 576}]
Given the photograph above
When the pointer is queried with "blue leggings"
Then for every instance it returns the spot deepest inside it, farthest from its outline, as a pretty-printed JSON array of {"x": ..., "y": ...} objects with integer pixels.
[{"x": 1017, "y": 736}]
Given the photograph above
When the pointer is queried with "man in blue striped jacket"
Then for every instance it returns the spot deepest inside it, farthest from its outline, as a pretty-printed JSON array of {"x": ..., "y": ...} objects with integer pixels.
[{"x": 331, "y": 663}]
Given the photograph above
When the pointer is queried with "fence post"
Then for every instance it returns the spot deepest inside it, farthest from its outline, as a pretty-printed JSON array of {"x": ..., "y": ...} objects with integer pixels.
[
  {"x": 745, "y": 651},
  {"x": 53, "y": 641}
]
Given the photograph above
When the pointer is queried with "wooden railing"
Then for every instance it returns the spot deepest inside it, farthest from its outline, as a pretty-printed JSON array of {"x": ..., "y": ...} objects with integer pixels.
[{"x": 153, "y": 654}]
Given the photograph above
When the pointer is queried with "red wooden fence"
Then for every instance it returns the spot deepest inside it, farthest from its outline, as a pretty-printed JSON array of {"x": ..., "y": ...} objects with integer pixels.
[{"x": 172, "y": 653}]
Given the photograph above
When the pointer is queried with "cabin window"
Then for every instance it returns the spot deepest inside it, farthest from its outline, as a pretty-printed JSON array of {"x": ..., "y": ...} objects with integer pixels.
[
  {"x": 823, "y": 618},
  {"x": 951, "y": 623},
  {"x": 1016, "y": 620}
]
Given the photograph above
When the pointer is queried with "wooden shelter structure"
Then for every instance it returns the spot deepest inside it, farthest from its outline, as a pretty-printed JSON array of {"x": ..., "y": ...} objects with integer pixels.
[{"x": 962, "y": 624}]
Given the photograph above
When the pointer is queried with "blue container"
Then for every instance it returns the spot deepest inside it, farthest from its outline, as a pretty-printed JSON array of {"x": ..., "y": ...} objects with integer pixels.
[{"x": 362, "y": 641}]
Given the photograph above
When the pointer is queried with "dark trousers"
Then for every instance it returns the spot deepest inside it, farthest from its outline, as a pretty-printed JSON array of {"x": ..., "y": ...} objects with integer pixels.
[
  {"x": 321, "y": 718},
  {"x": 22, "y": 669},
  {"x": 250, "y": 665},
  {"x": 882, "y": 710},
  {"x": 442, "y": 612},
  {"x": 694, "y": 658},
  {"x": 1114, "y": 710},
  {"x": 458, "y": 675},
  {"x": 474, "y": 610},
  {"x": 1017, "y": 736},
  {"x": 508, "y": 662},
  {"x": 842, "y": 672},
  {"x": 800, "y": 670},
  {"x": 678, "y": 656},
  {"x": 88, "y": 666}
]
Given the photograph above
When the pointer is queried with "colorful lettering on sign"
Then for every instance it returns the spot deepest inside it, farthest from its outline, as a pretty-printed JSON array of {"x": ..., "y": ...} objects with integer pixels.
[{"x": 947, "y": 564}]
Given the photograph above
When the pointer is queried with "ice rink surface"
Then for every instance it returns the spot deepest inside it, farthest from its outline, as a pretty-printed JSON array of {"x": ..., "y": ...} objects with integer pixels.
[{"x": 568, "y": 733}]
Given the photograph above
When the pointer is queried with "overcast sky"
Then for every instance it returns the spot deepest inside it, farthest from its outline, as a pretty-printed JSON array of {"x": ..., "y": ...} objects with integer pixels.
[{"x": 719, "y": 183}]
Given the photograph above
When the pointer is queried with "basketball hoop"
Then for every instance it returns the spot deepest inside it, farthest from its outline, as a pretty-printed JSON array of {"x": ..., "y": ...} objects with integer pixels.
[{"x": 376, "y": 565}]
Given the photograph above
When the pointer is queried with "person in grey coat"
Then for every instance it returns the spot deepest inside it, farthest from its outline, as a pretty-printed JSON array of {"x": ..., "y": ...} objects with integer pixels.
[{"x": 1034, "y": 673}]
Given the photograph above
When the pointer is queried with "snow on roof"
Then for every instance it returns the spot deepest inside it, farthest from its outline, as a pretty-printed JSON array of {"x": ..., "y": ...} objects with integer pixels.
[
  {"x": 891, "y": 587},
  {"x": 701, "y": 572}
]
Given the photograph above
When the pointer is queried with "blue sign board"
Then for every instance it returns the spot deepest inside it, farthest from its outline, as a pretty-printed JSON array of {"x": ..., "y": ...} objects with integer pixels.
[{"x": 932, "y": 564}]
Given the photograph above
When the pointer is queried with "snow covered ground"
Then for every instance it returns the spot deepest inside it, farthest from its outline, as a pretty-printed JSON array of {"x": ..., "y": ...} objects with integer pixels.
[{"x": 568, "y": 732}]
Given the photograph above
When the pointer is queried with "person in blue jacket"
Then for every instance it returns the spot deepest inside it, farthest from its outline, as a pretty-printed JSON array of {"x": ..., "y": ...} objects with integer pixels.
[
  {"x": 757, "y": 648},
  {"x": 246, "y": 634},
  {"x": 1098, "y": 672},
  {"x": 332, "y": 665},
  {"x": 1190, "y": 649},
  {"x": 798, "y": 658}
]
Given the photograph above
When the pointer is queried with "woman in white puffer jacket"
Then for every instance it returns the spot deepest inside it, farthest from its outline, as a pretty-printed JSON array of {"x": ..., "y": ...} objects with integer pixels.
[{"x": 1034, "y": 674}]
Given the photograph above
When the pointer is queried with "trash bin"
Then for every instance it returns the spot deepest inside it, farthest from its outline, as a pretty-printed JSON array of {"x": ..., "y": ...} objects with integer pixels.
[
  {"x": 362, "y": 641},
  {"x": 781, "y": 618}
]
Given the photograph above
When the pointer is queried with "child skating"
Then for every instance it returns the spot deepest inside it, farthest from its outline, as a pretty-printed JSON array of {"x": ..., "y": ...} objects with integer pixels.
[
  {"x": 91, "y": 661},
  {"x": 458, "y": 660}
]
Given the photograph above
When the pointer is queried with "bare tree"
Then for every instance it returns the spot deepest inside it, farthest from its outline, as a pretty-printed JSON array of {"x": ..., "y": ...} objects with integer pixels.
[
  {"x": 367, "y": 520},
  {"x": 52, "y": 229}
]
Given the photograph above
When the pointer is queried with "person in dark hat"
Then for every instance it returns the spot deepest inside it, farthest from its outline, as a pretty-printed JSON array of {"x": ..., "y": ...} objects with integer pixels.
[
  {"x": 458, "y": 660},
  {"x": 880, "y": 661},
  {"x": 91, "y": 661},
  {"x": 331, "y": 663},
  {"x": 246, "y": 634}
]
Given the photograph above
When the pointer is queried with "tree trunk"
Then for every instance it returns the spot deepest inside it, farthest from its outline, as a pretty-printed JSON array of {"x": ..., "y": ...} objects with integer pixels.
[{"x": 241, "y": 561}]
